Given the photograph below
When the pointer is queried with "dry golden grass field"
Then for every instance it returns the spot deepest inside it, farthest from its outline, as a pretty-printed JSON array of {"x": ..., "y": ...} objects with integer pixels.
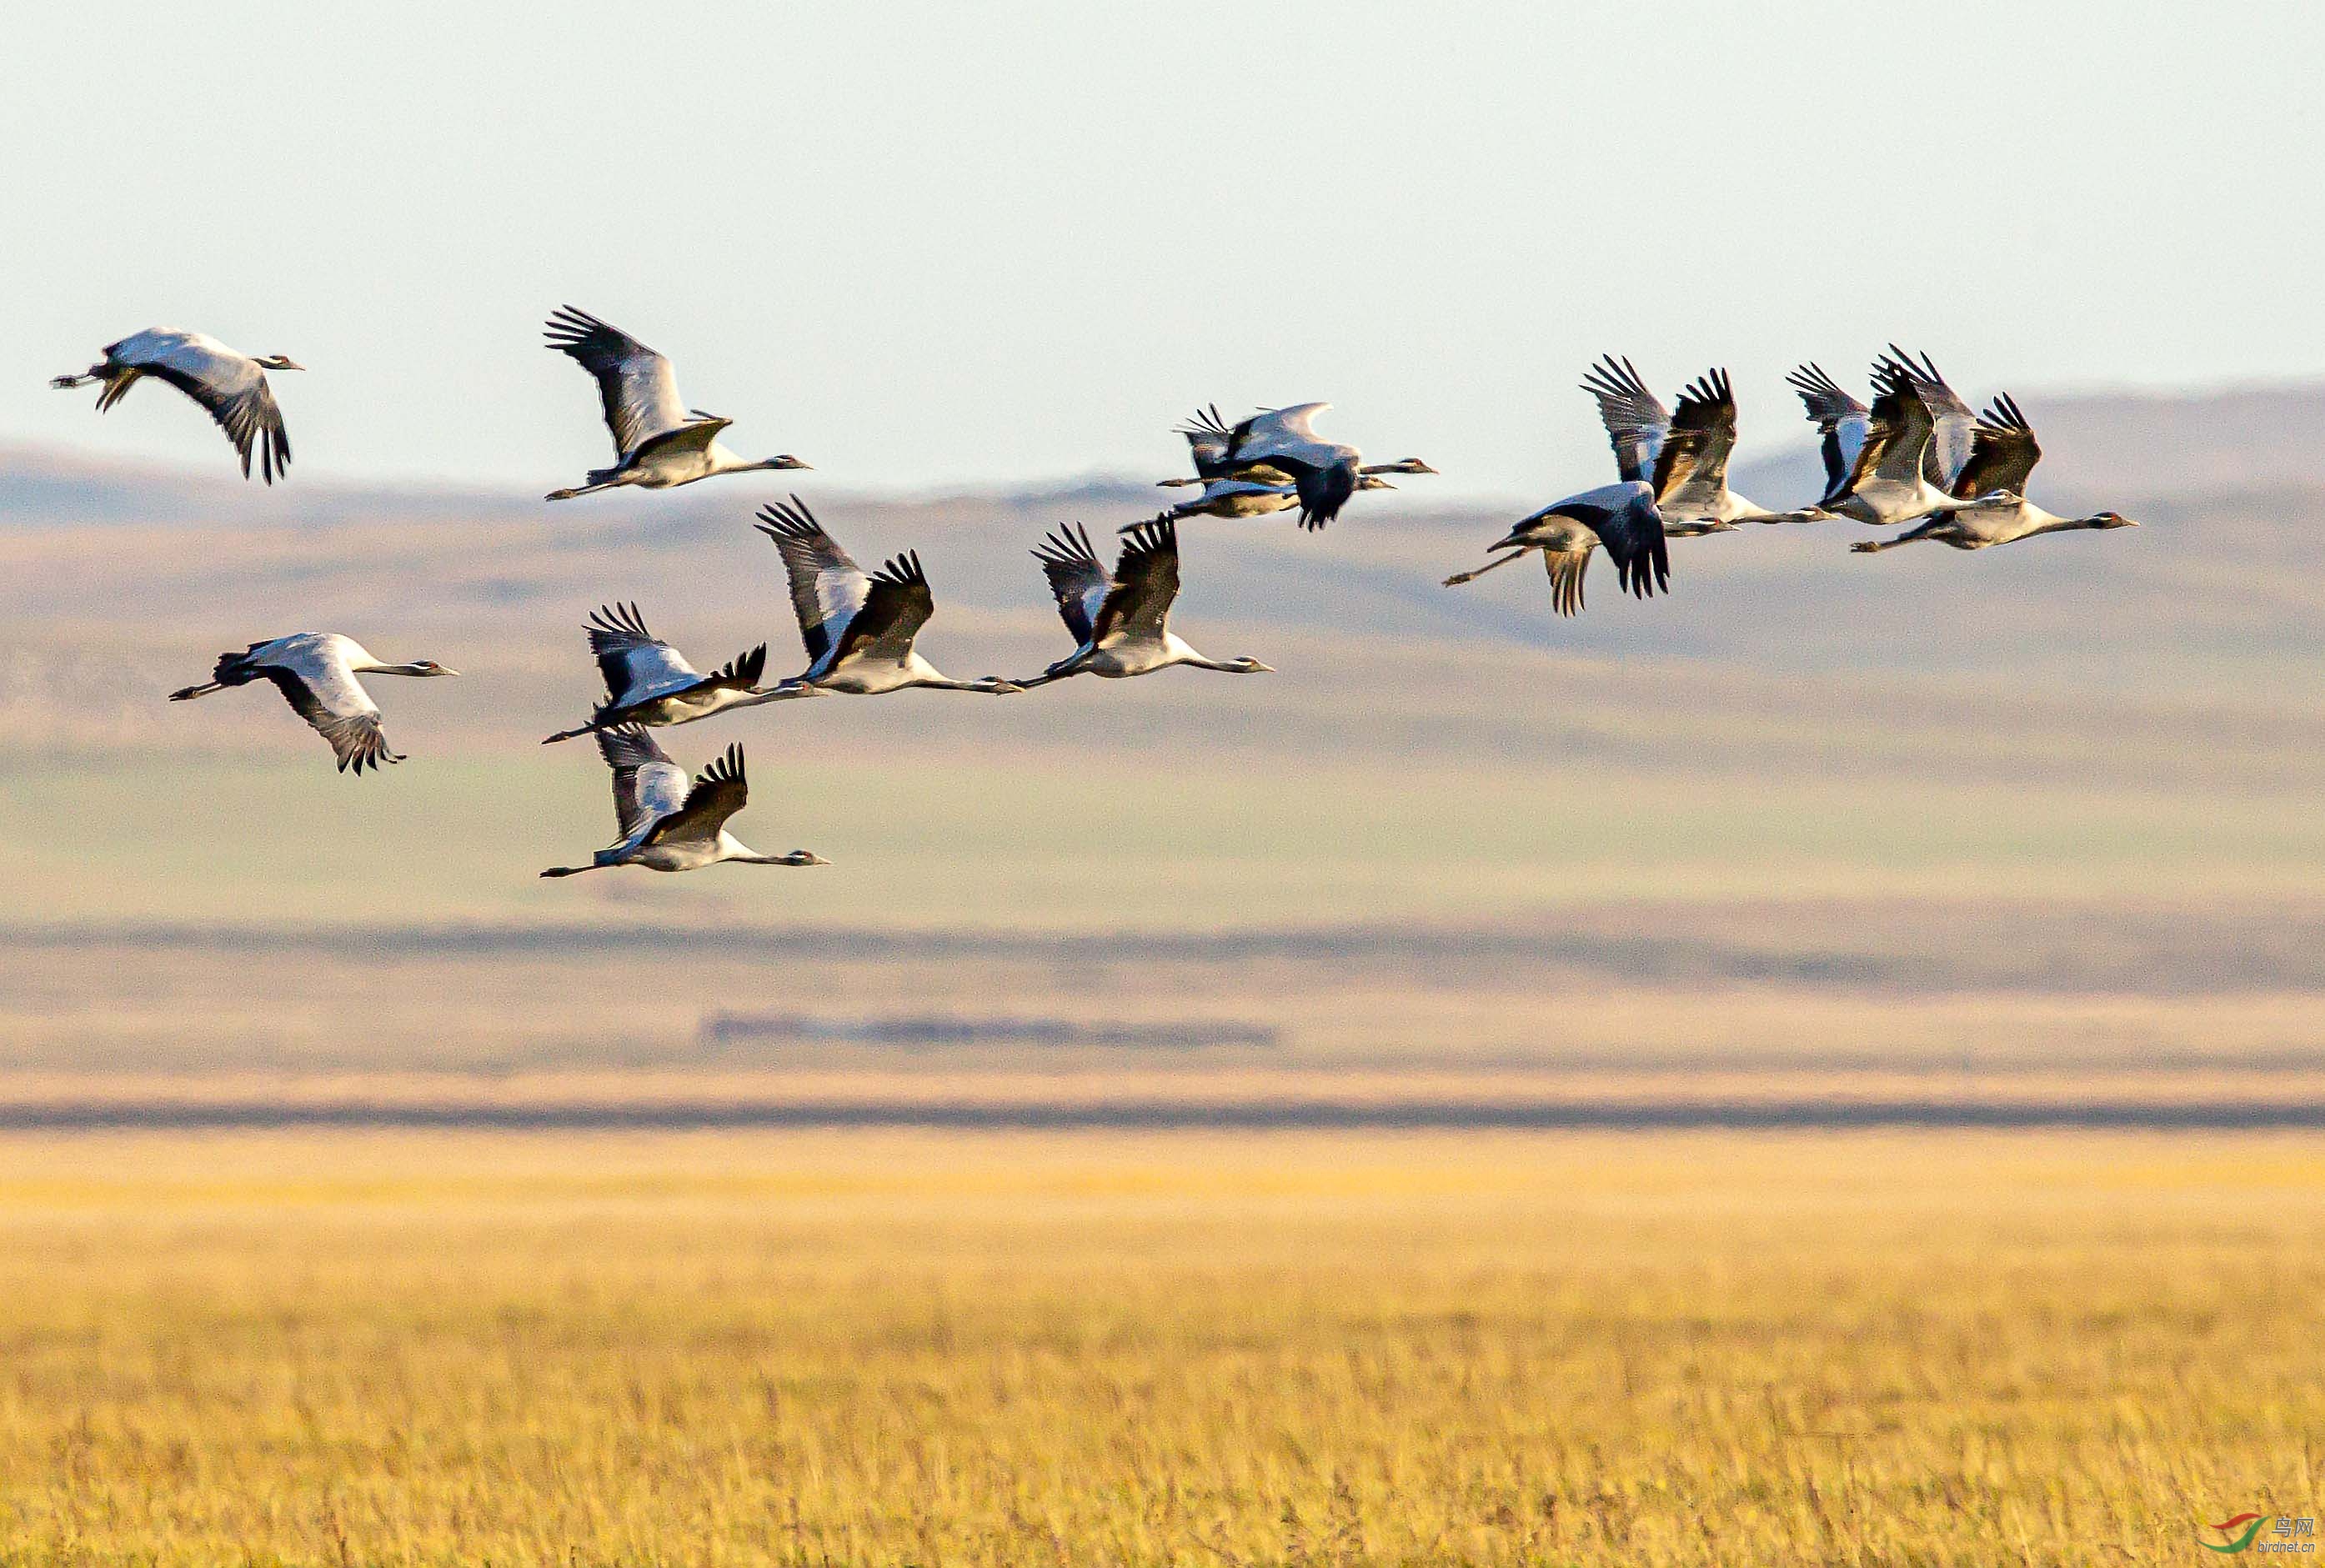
[{"x": 1288, "y": 1349}]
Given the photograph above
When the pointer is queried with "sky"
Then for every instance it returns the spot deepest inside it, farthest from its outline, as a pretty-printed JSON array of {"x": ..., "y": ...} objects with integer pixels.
[{"x": 937, "y": 245}]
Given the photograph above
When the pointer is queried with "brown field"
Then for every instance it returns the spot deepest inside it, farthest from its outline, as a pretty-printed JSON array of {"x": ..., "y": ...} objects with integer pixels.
[{"x": 914, "y": 1348}]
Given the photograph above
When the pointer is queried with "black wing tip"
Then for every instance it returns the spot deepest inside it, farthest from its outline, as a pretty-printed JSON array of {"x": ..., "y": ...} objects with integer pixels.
[
  {"x": 1920, "y": 375},
  {"x": 744, "y": 669},
  {"x": 1813, "y": 382},
  {"x": 726, "y": 767},
  {"x": 1893, "y": 379},
  {"x": 788, "y": 520},
  {"x": 619, "y": 617},
  {"x": 1205, "y": 421},
  {"x": 574, "y": 323},
  {"x": 1067, "y": 544},
  {"x": 1609, "y": 377},
  {"x": 372, "y": 756},
  {"x": 1924, "y": 367},
  {"x": 903, "y": 571},
  {"x": 1712, "y": 386},
  {"x": 1151, "y": 537}
]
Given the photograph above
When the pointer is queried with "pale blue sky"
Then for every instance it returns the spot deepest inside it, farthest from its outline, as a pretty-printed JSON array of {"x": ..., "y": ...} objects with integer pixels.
[{"x": 928, "y": 245}]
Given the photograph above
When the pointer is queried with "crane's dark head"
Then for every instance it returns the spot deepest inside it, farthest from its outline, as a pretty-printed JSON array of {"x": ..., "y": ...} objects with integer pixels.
[
  {"x": 430, "y": 667},
  {"x": 280, "y": 362},
  {"x": 1374, "y": 482},
  {"x": 799, "y": 858},
  {"x": 1248, "y": 665},
  {"x": 1402, "y": 465},
  {"x": 996, "y": 685},
  {"x": 2109, "y": 520},
  {"x": 784, "y": 461}
]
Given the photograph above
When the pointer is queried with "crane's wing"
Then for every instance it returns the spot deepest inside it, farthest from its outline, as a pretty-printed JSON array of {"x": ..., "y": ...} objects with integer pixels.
[
  {"x": 636, "y": 385},
  {"x": 2002, "y": 452},
  {"x": 1624, "y": 519},
  {"x": 1954, "y": 421},
  {"x": 1208, "y": 440},
  {"x": 719, "y": 792},
  {"x": 1145, "y": 581},
  {"x": 647, "y": 785},
  {"x": 1324, "y": 488},
  {"x": 1903, "y": 425},
  {"x": 230, "y": 387},
  {"x": 1566, "y": 568},
  {"x": 637, "y": 665},
  {"x": 1692, "y": 467},
  {"x": 695, "y": 436},
  {"x": 1274, "y": 432},
  {"x": 1842, "y": 422},
  {"x": 896, "y": 605},
  {"x": 1636, "y": 420},
  {"x": 314, "y": 676},
  {"x": 827, "y": 588},
  {"x": 1633, "y": 538},
  {"x": 1077, "y": 582}
]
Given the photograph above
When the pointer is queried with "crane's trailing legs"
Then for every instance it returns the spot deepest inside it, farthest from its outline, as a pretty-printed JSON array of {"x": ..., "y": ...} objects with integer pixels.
[
  {"x": 1458, "y": 578},
  {"x": 1928, "y": 530}
]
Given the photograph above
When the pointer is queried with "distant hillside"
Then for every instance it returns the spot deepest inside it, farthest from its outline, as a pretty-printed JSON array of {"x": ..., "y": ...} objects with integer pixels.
[
  {"x": 2223, "y": 587},
  {"x": 39, "y": 486},
  {"x": 2129, "y": 447}
]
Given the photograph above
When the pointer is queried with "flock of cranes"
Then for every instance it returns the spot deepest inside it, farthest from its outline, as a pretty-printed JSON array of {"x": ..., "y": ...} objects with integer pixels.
[{"x": 1916, "y": 455}]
